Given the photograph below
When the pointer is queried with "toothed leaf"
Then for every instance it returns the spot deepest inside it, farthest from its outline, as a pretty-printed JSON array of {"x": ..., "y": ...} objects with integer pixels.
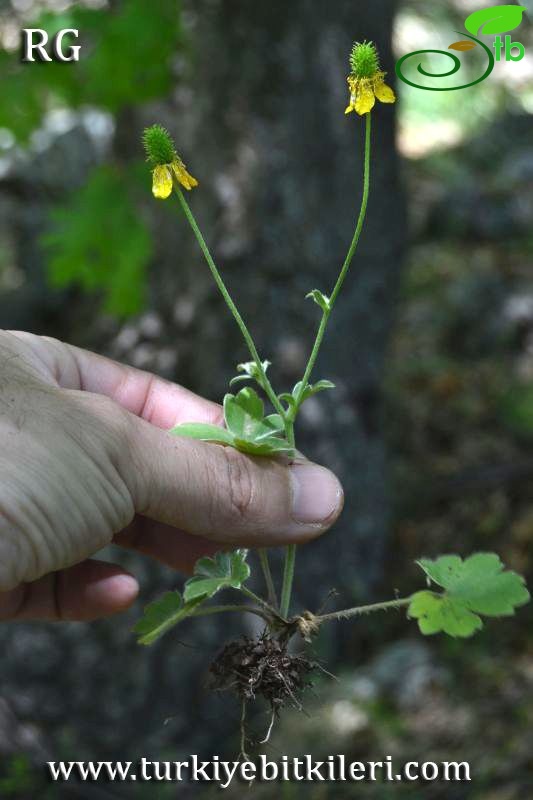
[
  {"x": 220, "y": 572},
  {"x": 478, "y": 585}
]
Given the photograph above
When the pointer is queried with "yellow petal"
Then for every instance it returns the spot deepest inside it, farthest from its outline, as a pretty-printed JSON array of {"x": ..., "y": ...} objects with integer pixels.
[
  {"x": 349, "y": 109},
  {"x": 185, "y": 179},
  {"x": 365, "y": 101},
  {"x": 162, "y": 182},
  {"x": 384, "y": 93}
]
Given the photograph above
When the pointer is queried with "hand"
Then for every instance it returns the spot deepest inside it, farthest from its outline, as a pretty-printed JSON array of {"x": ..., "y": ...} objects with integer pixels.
[{"x": 85, "y": 460}]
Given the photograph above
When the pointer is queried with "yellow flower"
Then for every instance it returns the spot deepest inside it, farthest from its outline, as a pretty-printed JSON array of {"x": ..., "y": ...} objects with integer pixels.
[
  {"x": 363, "y": 93},
  {"x": 163, "y": 178}
]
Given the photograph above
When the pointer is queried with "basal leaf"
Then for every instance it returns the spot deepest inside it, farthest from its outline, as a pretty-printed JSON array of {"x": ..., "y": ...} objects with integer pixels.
[
  {"x": 204, "y": 432},
  {"x": 212, "y": 574},
  {"x": 269, "y": 446},
  {"x": 480, "y": 582},
  {"x": 497, "y": 19},
  {"x": 243, "y": 413},
  {"x": 162, "y": 614},
  {"x": 441, "y": 613}
]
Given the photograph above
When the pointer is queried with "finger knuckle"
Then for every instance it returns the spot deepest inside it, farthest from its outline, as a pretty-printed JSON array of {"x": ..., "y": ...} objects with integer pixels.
[{"x": 237, "y": 487}]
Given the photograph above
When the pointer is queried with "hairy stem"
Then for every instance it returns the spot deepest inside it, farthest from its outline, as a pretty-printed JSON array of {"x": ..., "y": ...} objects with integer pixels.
[
  {"x": 290, "y": 554},
  {"x": 229, "y": 302},
  {"x": 268, "y": 608},
  {"x": 360, "y": 610},
  {"x": 267, "y": 574}
]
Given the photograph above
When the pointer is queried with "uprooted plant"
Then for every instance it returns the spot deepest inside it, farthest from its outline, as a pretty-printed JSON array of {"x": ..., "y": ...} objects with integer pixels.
[{"x": 459, "y": 592}]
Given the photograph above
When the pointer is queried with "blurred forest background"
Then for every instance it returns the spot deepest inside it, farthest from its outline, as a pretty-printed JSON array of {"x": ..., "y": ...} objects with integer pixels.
[{"x": 431, "y": 349}]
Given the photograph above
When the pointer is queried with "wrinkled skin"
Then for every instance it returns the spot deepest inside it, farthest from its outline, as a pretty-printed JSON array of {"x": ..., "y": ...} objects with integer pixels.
[{"x": 85, "y": 460}]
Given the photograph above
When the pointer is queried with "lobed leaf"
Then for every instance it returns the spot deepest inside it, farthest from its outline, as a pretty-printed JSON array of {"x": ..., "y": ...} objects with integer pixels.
[
  {"x": 478, "y": 585},
  {"x": 162, "y": 614},
  {"x": 220, "y": 572},
  {"x": 436, "y": 613}
]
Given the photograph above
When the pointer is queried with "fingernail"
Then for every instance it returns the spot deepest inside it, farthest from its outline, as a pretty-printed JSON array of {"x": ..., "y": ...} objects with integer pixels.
[{"x": 316, "y": 494}]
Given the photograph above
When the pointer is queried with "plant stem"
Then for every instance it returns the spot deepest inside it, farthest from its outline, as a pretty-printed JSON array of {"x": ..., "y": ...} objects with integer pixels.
[
  {"x": 290, "y": 553},
  {"x": 345, "y": 267},
  {"x": 359, "y": 610},
  {"x": 253, "y": 596},
  {"x": 290, "y": 550},
  {"x": 229, "y": 302},
  {"x": 267, "y": 574}
]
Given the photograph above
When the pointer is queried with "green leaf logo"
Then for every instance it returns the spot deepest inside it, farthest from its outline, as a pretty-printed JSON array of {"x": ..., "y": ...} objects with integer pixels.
[{"x": 498, "y": 19}]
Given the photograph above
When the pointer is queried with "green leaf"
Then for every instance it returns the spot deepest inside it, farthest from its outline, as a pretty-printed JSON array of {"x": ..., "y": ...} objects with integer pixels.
[
  {"x": 243, "y": 413},
  {"x": 497, "y": 19},
  {"x": 204, "y": 432},
  {"x": 436, "y": 613},
  {"x": 212, "y": 574},
  {"x": 480, "y": 581},
  {"x": 312, "y": 389},
  {"x": 478, "y": 585},
  {"x": 270, "y": 446},
  {"x": 320, "y": 299},
  {"x": 251, "y": 372},
  {"x": 162, "y": 614}
]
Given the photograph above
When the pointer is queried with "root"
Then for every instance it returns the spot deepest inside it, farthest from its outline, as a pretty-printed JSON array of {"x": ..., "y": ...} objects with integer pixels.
[{"x": 261, "y": 668}]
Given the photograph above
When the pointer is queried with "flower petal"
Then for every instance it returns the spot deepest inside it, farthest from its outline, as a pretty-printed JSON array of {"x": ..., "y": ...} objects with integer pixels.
[
  {"x": 349, "y": 109},
  {"x": 384, "y": 93},
  {"x": 365, "y": 101},
  {"x": 184, "y": 178},
  {"x": 162, "y": 182}
]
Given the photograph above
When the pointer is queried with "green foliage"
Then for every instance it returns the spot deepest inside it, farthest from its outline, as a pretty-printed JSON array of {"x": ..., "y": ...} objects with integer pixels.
[
  {"x": 158, "y": 145},
  {"x": 99, "y": 242},
  {"x": 225, "y": 570},
  {"x": 17, "y": 779},
  {"x": 126, "y": 59},
  {"x": 478, "y": 585},
  {"x": 497, "y": 19},
  {"x": 247, "y": 427},
  {"x": 516, "y": 409},
  {"x": 250, "y": 372},
  {"x": 310, "y": 390},
  {"x": 320, "y": 299},
  {"x": 162, "y": 614}
]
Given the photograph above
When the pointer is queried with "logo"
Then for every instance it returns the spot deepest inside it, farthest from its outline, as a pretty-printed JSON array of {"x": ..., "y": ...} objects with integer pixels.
[
  {"x": 493, "y": 21},
  {"x": 34, "y": 41}
]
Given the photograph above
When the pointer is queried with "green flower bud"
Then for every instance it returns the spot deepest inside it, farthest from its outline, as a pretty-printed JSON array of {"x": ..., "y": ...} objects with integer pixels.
[
  {"x": 159, "y": 146},
  {"x": 364, "y": 60}
]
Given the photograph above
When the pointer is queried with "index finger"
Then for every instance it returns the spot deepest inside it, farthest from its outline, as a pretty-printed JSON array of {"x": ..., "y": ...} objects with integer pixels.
[{"x": 158, "y": 401}]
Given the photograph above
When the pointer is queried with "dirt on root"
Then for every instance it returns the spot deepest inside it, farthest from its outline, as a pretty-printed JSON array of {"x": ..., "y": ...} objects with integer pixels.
[{"x": 261, "y": 667}]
